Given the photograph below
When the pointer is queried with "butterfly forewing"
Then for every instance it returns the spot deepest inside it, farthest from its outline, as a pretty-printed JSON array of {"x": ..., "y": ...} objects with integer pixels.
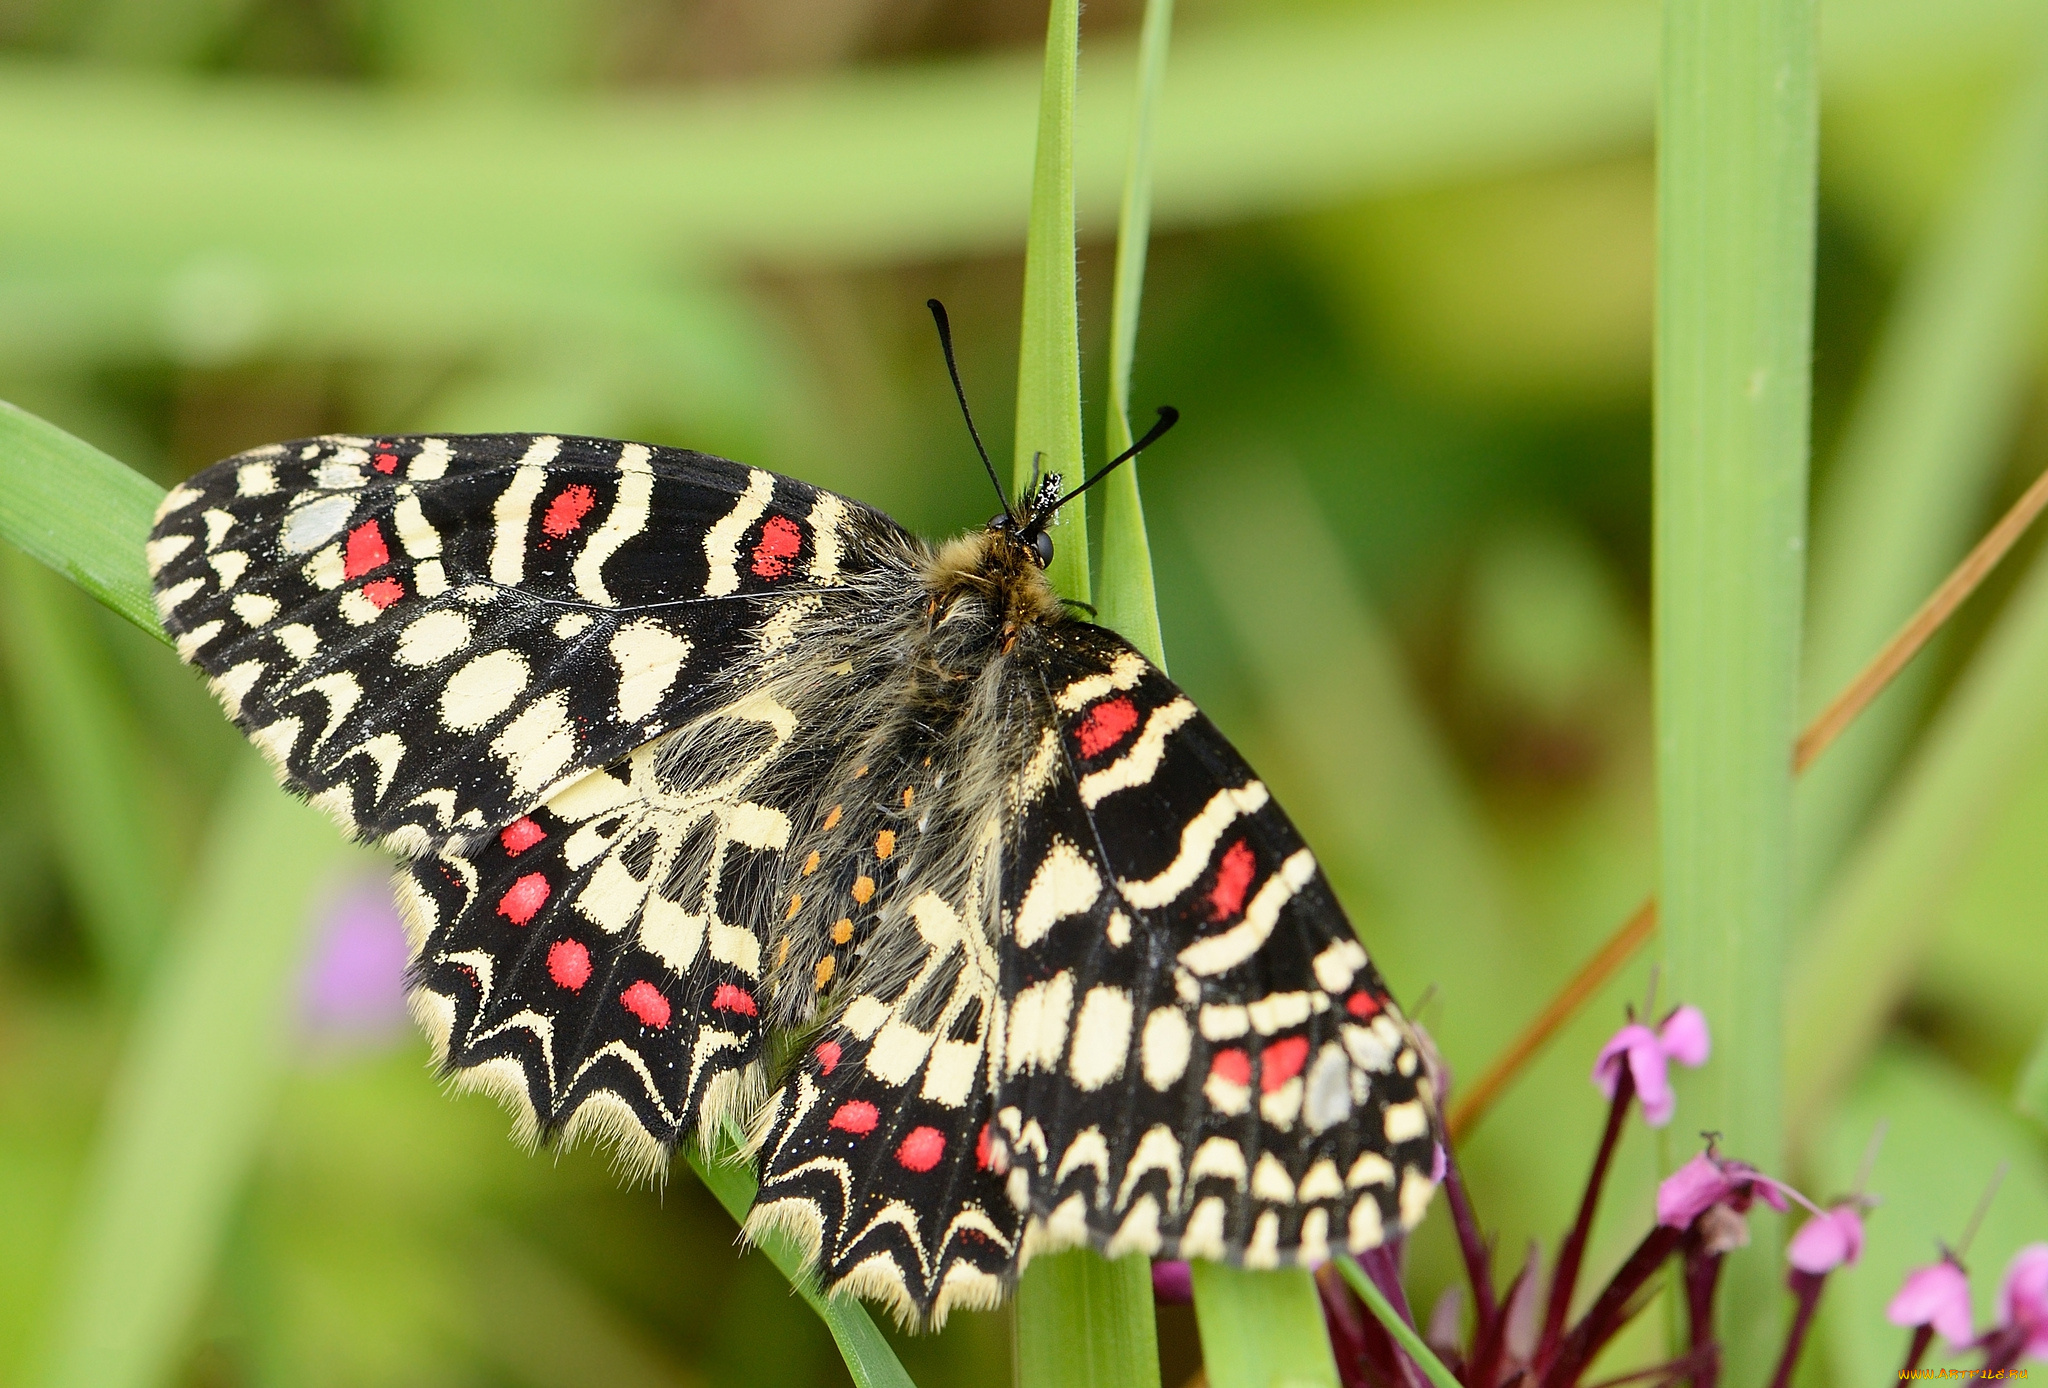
[{"x": 427, "y": 633}]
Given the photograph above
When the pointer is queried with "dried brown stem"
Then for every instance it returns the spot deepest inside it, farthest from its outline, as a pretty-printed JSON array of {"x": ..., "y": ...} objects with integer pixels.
[
  {"x": 1621, "y": 946},
  {"x": 1907, "y": 641},
  {"x": 1592, "y": 975}
]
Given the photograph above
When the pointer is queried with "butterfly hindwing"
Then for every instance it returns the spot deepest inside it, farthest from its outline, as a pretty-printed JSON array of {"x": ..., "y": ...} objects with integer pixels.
[{"x": 874, "y": 1151}]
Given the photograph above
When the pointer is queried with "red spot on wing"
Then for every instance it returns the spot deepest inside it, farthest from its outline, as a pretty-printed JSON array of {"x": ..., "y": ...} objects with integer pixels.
[
  {"x": 383, "y": 592},
  {"x": 1226, "y": 898},
  {"x": 778, "y": 544},
  {"x": 567, "y": 510},
  {"x": 856, "y": 1116},
  {"x": 922, "y": 1149},
  {"x": 645, "y": 1001},
  {"x": 569, "y": 964},
  {"x": 1362, "y": 1005},
  {"x": 982, "y": 1152},
  {"x": 366, "y": 551},
  {"x": 386, "y": 463},
  {"x": 520, "y": 835},
  {"x": 828, "y": 1057},
  {"x": 732, "y": 999},
  {"x": 1106, "y": 725},
  {"x": 1232, "y": 1066},
  {"x": 1281, "y": 1062},
  {"x": 524, "y": 898}
]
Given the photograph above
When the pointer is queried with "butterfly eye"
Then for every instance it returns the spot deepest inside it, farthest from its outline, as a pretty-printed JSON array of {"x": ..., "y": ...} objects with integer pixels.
[
  {"x": 1041, "y": 546},
  {"x": 999, "y": 521}
]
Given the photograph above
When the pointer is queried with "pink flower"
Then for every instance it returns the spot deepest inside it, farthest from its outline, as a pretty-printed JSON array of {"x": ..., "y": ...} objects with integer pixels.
[
  {"x": 1827, "y": 1241},
  {"x": 353, "y": 988},
  {"x": 2023, "y": 1299},
  {"x": 1706, "y": 1181},
  {"x": 1690, "y": 1191},
  {"x": 1936, "y": 1295},
  {"x": 1648, "y": 1054}
]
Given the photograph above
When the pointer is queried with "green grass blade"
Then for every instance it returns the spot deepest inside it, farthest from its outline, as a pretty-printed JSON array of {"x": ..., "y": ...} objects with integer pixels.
[
  {"x": 1850, "y": 974},
  {"x": 1126, "y": 601},
  {"x": 1049, "y": 360},
  {"x": 189, "y": 1102},
  {"x": 1404, "y": 1333},
  {"x": 1736, "y": 153},
  {"x": 1262, "y": 1329},
  {"x": 1921, "y": 453},
  {"x": 1083, "y": 1319},
  {"x": 869, "y": 1360},
  {"x": 77, "y": 510},
  {"x": 81, "y": 738},
  {"x": 1080, "y": 1321}
]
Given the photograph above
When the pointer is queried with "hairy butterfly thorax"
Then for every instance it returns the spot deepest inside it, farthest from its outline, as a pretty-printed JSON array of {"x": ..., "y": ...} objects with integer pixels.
[{"x": 723, "y": 799}]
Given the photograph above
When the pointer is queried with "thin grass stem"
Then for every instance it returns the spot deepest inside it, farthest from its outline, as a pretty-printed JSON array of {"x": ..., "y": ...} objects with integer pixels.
[
  {"x": 1404, "y": 1334},
  {"x": 1049, "y": 356},
  {"x": 1127, "y": 602}
]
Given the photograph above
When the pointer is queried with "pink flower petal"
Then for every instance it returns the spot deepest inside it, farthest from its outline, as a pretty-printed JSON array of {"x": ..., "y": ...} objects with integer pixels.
[
  {"x": 1653, "y": 1085},
  {"x": 2023, "y": 1297},
  {"x": 1688, "y": 1192},
  {"x": 1684, "y": 1037},
  {"x": 1619, "y": 1048},
  {"x": 1937, "y": 1295},
  {"x": 1771, "y": 1192},
  {"x": 1827, "y": 1241}
]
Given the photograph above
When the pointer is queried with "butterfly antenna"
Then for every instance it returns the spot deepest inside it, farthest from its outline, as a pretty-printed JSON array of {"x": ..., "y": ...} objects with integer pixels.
[
  {"x": 946, "y": 345},
  {"x": 1168, "y": 417}
]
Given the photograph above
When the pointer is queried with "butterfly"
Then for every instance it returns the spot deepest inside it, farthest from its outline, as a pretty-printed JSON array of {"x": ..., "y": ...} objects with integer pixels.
[{"x": 723, "y": 799}]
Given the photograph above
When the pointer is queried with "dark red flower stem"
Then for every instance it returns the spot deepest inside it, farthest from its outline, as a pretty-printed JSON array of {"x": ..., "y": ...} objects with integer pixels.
[
  {"x": 1806, "y": 1289},
  {"x": 1573, "y": 1251},
  {"x": 1923, "y": 1336},
  {"x": 1607, "y": 1312},
  {"x": 2003, "y": 1348},
  {"x": 1364, "y": 1350},
  {"x": 1490, "y": 1343},
  {"x": 1478, "y": 1257},
  {"x": 1702, "y": 1277},
  {"x": 1385, "y": 1273}
]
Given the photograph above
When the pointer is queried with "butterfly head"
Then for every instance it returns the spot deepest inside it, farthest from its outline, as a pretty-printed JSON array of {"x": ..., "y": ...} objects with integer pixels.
[
  {"x": 1025, "y": 522},
  {"x": 1029, "y": 528}
]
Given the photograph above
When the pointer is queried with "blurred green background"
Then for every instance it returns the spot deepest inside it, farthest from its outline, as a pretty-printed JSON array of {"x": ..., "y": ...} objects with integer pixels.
[{"x": 1401, "y": 290}]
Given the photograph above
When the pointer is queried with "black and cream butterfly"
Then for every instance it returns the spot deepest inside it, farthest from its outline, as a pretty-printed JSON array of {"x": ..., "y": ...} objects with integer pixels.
[{"x": 723, "y": 797}]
